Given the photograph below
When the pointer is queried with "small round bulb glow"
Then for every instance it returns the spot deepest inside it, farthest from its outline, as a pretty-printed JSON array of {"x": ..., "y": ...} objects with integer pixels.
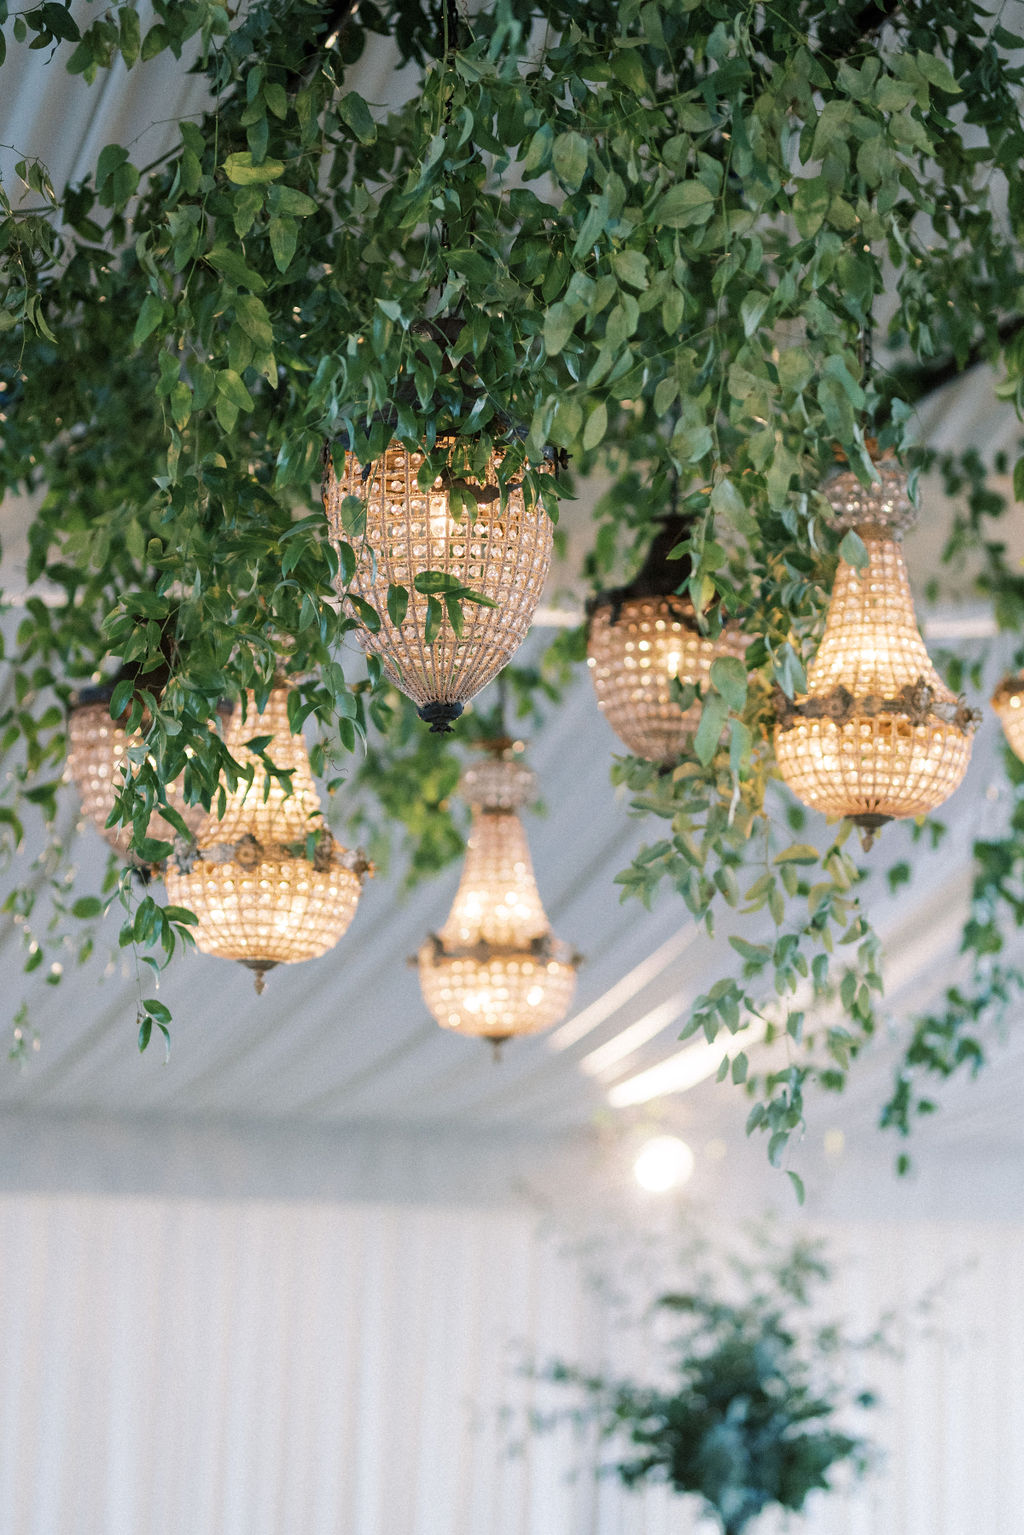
[{"x": 664, "y": 1162}]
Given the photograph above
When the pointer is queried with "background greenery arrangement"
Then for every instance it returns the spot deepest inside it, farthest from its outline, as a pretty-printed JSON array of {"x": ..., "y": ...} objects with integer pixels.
[
  {"x": 751, "y": 1406},
  {"x": 660, "y": 228}
]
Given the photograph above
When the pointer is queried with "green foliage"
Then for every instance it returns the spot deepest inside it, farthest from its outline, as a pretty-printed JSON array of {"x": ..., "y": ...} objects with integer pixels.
[
  {"x": 749, "y": 1413},
  {"x": 654, "y": 234}
]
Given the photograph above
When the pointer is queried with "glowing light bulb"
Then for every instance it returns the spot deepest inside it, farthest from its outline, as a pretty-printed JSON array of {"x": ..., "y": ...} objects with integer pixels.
[{"x": 664, "y": 1162}]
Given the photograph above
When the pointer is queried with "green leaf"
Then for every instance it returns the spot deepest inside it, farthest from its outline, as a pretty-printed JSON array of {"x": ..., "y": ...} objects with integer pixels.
[
  {"x": 729, "y": 676},
  {"x": 569, "y": 157},
  {"x": 354, "y": 112},
  {"x": 752, "y": 312},
  {"x": 937, "y": 73},
  {"x": 230, "y": 385},
  {"x": 596, "y": 427},
  {"x": 233, "y": 266},
  {"x": 853, "y": 551},
  {"x": 630, "y": 266},
  {"x": 130, "y": 40},
  {"x": 180, "y": 402},
  {"x": 800, "y": 852},
  {"x": 240, "y": 169},
  {"x": 353, "y": 516},
  {"x": 87, "y": 907},
  {"x": 713, "y": 717},
  {"x": 398, "y": 604},
  {"x": 150, "y": 316},
  {"x": 121, "y": 697},
  {"x": 810, "y": 204},
  {"x": 290, "y": 200},
  {"x": 685, "y": 204},
  {"x": 284, "y": 235},
  {"x": 432, "y": 626},
  {"x": 368, "y": 615},
  {"x": 798, "y": 1185},
  {"x": 453, "y": 608},
  {"x": 59, "y": 21},
  {"x": 157, "y": 1011},
  {"x": 559, "y": 324}
]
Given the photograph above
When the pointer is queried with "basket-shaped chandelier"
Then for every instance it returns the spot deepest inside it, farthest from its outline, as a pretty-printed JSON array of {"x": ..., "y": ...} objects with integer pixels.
[
  {"x": 97, "y": 756},
  {"x": 879, "y": 735},
  {"x": 1008, "y": 702},
  {"x": 495, "y": 970},
  {"x": 268, "y": 883},
  {"x": 497, "y": 547},
  {"x": 644, "y": 638}
]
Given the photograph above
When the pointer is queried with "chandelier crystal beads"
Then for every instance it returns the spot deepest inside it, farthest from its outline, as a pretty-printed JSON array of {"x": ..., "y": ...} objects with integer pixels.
[
  {"x": 495, "y": 970},
  {"x": 634, "y": 657},
  {"x": 259, "y": 897},
  {"x": 642, "y": 639},
  {"x": 879, "y": 735},
  {"x": 97, "y": 756},
  {"x": 497, "y": 547}
]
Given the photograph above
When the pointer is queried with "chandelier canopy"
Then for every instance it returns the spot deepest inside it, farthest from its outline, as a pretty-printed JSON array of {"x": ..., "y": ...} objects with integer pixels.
[
  {"x": 495, "y": 969},
  {"x": 268, "y": 882},
  {"x": 496, "y": 547},
  {"x": 642, "y": 639},
  {"x": 879, "y": 735},
  {"x": 97, "y": 756}
]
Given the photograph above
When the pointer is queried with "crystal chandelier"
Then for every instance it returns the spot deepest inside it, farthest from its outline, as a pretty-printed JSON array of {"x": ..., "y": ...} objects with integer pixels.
[
  {"x": 495, "y": 969},
  {"x": 641, "y": 639},
  {"x": 268, "y": 883},
  {"x": 1008, "y": 702},
  {"x": 879, "y": 735},
  {"x": 498, "y": 547},
  {"x": 97, "y": 756}
]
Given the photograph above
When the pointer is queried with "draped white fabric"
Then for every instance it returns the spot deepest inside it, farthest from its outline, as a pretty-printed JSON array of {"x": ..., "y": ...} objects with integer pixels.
[{"x": 184, "y": 1365}]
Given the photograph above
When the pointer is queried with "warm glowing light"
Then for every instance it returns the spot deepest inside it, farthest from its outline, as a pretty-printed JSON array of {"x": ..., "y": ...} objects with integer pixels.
[
  {"x": 636, "y": 649},
  {"x": 1008, "y": 702},
  {"x": 879, "y": 734},
  {"x": 97, "y": 757},
  {"x": 497, "y": 546},
  {"x": 664, "y": 1163},
  {"x": 644, "y": 642},
  {"x": 495, "y": 969},
  {"x": 259, "y": 897}
]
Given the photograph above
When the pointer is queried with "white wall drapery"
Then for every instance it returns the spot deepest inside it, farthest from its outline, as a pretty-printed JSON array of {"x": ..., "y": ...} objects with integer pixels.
[{"x": 183, "y": 1363}]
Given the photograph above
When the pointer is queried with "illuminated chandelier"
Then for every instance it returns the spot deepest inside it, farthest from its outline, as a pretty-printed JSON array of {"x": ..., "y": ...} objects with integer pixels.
[
  {"x": 495, "y": 970},
  {"x": 879, "y": 735},
  {"x": 643, "y": 638},
  {"x": 497, "y": 547},
  {"x": 1008, "y": 702},
  {"x": 267, "y": 881},
  {"x": 97, "y": 756}
]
